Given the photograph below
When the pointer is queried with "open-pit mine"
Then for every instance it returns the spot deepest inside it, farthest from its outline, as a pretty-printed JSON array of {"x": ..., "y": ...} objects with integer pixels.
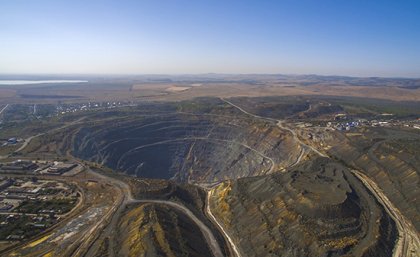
[{"x": 296, "y": 175}]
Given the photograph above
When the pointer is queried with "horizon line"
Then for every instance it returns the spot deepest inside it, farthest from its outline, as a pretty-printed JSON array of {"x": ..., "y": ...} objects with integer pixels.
[{"x": 201, "y": 74}]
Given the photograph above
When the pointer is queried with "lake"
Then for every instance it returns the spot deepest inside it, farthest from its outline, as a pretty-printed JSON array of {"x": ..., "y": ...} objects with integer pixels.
[{"x": 29, "y": 82}]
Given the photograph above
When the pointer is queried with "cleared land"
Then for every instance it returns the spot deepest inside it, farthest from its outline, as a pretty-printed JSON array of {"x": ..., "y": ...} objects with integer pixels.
[
  {"x": 166, "y": 88},
  {"x": 316, "y": 171}
]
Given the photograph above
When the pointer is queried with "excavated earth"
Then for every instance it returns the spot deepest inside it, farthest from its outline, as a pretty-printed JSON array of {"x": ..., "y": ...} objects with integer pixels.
[
  {"x": 316, "y": 209},
  {"x": 157, "y": 230},
  {"x": 188, "y": 147},
  {"x": 267, "y": 204},
  {"x": 391, "y": 158}
]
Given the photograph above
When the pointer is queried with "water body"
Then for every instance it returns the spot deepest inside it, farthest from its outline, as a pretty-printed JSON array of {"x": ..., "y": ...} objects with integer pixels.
[{"x": 30, "y": 82}]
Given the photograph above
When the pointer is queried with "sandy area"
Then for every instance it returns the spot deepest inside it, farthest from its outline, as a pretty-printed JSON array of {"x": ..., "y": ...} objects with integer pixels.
[{"x": 177, "y": 89}]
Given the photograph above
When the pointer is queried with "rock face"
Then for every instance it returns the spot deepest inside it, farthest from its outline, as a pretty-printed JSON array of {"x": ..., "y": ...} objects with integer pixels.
[
  {"x": 391, "y": 159},
  {"x": 201, "y": 147},
  {"x": 318, "y": 209},
  {"x": 157, "y": 230}
]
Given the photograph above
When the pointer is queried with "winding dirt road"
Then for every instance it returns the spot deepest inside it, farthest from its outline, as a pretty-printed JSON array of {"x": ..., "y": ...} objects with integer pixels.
[
  {"x": 4, "y": 108},
  {"x": 408, "y": 242},
  {"x": 234, "y": 248},
  {"x": 29, "y": 139},
  {"x": 198, "y": 138},
  {"x": 128, "y": 198},
  {"x": 208, "y": 235},
  {"x": 279, "y": 124}
]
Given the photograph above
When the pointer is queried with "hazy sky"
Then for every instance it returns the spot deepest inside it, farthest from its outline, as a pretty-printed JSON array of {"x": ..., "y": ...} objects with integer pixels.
[{"x": 367, "y": 38}]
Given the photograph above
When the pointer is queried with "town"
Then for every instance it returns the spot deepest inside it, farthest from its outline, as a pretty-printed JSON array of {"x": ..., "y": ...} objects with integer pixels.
[
  {"x": 90, "y": 106},
  {"x": 29, "y": 205},
  {"x": 342, "y": 122},
  {"x": 40, "y": 167}
]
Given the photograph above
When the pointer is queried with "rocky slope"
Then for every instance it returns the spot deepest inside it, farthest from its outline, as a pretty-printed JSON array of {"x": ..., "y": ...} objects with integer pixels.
[
  {"x": 317, "y": 209},
  {"x": 152, "y": 230},
  {"x": 203, "y": 146},
  {"x": 391, "y": 159}
]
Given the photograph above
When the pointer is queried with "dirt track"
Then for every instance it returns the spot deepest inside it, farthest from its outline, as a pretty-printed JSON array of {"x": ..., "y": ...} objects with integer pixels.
[{"x": 408, "y": 243}]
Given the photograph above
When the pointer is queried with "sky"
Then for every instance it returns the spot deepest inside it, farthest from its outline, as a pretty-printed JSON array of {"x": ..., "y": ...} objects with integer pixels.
[{"x": 326, "y": 37}]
